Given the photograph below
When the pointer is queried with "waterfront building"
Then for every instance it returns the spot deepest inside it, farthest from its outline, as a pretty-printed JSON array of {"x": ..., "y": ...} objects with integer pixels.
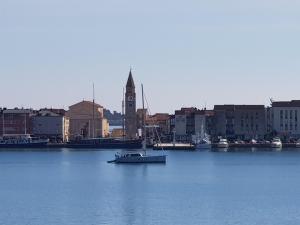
[
  {"x": 239, "y": 121},
  {"x": 209, "y": 121},
  {"x": 171, "y": 123},
  {"x": 16, "y": 121},
  {"x": 190, "y": 122},
  {"x": 141, "y": 117},
  {"x": 158, "y": 124},
  {"x": 284, "y": 118},
  {"x": 117, "y": 133},
  {"x": 130, "y": 109},
  {"x": 87, "y": 121},
  {"x": 51, "y": 124}
]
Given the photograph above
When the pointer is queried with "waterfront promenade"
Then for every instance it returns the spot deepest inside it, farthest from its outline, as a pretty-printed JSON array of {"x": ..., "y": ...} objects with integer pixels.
[{"x": 75, "y": 188}]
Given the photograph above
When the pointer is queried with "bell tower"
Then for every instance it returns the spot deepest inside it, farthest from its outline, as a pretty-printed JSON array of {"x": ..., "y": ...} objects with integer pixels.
[{"x": 130, "y": 109}]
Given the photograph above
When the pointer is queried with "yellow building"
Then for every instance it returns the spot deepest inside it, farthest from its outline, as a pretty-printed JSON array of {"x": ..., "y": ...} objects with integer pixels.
[
  {"x": 87, "y": 120},
  {"x": 117, "y": 133}
]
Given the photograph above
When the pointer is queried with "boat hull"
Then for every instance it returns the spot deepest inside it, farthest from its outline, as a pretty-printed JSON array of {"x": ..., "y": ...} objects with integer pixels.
[
  {"x": 115, "y": 144},
  {"x": 278, "y": 146},
  {"x": 145, "y": 159},
  {"x": 174, "y": 147},
  {"x": 25, "y": 145}
]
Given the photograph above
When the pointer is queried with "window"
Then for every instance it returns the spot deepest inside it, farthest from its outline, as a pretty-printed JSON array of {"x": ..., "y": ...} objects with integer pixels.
[
  {"x": 281, "y": 114},
  {"x": 286, "y": 114}
]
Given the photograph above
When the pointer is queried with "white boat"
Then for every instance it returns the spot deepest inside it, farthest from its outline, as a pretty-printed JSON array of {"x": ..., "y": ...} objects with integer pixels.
[
  {"x": 298, "y": 144},
  {"x": 137, "y": 157},
  {"x": 223, "y": 143},
  {"x": 22, "y": 140},
  {"x": 205, "y": 143},
  {"x": 202, "y": 140},
  {"x": 253, "y": 141},
  {"x": 276, "y": 143}
]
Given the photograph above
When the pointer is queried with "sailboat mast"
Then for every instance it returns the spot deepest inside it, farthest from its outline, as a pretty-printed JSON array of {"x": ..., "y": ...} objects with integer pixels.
[
  {"x": 143, "y": 120},
  {"x": 93, "y": 124}
]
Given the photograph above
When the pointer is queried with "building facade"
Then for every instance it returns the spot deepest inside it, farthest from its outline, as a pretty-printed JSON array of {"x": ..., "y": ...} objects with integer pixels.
[
  {"x": 16, "y": 121},
  {"x": 87, "y": 121},
  {"x": 158, "y": 125},
  {"x": 52, "y": 125},
  {"x": 130, "y": 109},
  {"x": 240, "y": 121},
  {"x": 141, "y": 117},
  {"x": 190, "y": 122},
  {"x": 284, "y": 118}
]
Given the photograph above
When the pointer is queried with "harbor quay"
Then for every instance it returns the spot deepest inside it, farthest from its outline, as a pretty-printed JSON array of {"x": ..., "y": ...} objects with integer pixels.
[{"x": 87, "y": 124}]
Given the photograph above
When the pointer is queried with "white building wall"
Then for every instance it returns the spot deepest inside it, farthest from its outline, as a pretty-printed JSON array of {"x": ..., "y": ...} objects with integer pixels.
[
  {"x": 286, "y": 120},
  {"x": 50, "y": 126}
]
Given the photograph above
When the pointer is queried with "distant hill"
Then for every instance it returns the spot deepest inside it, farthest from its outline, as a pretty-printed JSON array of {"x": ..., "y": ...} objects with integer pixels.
[{"x": 114, "y": 119}]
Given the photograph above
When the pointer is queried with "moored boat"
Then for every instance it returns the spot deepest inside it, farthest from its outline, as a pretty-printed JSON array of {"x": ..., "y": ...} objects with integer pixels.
[
  {"x": 298, "y": 144},
  {"x": 276, "y": 143},
  {"x": 138, "y": 157},
  {"x": 223, "y": 143},
  {"x": 202, "y": 140},
  {"x": 205, "y": 143},
  {"x": 22, "y": 141},
  {"x": 106, "y": 143}
]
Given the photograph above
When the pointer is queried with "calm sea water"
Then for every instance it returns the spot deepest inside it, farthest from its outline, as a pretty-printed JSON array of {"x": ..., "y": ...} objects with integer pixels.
[{"x": 80, "y": 188}]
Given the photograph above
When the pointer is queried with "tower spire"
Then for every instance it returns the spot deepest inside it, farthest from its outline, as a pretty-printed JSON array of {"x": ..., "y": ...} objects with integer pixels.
[
  {"x": 130, "y": 109},
  {"x": 130, "y": 82}
]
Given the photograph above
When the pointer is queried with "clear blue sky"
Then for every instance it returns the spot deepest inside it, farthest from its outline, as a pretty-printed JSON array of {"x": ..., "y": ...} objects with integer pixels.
[{"x": 187, "y": 53}]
